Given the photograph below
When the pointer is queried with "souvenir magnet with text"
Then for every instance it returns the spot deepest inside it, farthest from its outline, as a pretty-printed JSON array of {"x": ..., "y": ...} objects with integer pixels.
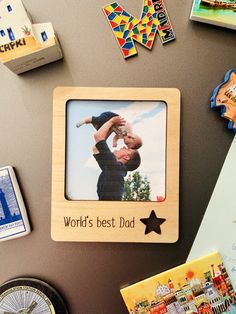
[
  {"x": 224, "y": 96},
  {"x": 13, "y": 216}
]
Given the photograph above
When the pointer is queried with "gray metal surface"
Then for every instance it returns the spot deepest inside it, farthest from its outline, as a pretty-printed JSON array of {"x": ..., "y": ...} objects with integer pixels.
[{"x": 89, "y": 275}]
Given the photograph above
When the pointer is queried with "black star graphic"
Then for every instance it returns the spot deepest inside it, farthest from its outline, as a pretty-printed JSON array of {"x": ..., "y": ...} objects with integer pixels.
[{"x": 152, "y": 223}]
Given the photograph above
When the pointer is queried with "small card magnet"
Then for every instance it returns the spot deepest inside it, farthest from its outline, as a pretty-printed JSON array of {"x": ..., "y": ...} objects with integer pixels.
[{"x": 13, "y": 216}]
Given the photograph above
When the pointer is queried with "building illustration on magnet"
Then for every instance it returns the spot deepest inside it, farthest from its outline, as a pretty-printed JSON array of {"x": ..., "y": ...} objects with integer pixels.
[
  {"x": 201, "y": 286},
  {"x": 6, "y": 215},
  {"x": 20, "y": 38},
  {"x": 14, "y": 21},
  {"x": 13, "y": 217}
]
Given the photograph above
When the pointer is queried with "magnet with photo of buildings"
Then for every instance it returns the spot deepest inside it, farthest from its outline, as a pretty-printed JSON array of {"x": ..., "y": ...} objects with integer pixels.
[
  {"x": 221, "y": 13},
  {"x": 201, "y": 286},
  {"x": 13, "y": 216}
]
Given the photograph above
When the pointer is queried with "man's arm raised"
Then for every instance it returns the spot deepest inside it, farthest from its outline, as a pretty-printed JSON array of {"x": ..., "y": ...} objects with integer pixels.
[
  {"x": 95, "y": 150},
  {"x": 105, "y": 130}
]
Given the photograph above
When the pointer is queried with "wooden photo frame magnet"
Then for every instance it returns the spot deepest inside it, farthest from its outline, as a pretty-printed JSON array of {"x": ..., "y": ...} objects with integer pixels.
[{"x": 115, "y": 164}]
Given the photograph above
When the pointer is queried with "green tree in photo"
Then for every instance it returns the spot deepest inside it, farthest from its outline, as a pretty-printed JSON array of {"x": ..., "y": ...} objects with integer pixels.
[{"x": 137, "y": 188}]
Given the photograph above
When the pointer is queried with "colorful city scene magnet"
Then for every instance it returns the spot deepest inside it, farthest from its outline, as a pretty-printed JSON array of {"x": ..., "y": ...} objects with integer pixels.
[{"x": 201, "y": 286}]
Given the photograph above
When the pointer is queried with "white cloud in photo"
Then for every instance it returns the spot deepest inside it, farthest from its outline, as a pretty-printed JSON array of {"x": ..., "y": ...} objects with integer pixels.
[
  {"x": 134, "y": 111},
  {"x": 148, "y": 120}
]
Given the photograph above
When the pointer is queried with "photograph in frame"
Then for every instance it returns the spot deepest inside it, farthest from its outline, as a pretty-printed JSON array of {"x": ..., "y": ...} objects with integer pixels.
[{"x": 144, "y": 133}]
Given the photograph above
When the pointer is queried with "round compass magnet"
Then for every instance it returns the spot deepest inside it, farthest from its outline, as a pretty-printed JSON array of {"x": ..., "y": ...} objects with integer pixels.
[{"x": 28, "y": 295}]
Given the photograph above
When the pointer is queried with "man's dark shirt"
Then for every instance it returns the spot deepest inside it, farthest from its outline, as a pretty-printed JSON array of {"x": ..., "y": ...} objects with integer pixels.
[{"x": 110, "y": 186}]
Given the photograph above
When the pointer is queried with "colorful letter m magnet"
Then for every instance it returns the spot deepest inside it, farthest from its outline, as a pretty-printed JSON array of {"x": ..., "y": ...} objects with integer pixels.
[{"x": 127, "y": 28}]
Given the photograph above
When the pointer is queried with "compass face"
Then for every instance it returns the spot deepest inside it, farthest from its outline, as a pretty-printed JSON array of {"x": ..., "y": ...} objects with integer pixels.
[
  {"x": 24, "y": 299},
  {"x": 27, "y": 295}
]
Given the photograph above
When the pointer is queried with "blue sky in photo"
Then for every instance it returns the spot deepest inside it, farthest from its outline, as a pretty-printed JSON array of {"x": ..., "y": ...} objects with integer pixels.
[{"x": 148, "y": 120}]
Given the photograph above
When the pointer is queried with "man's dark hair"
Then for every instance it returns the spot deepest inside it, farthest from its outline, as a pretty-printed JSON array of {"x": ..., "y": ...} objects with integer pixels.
[{"x": 134, "y": 161}]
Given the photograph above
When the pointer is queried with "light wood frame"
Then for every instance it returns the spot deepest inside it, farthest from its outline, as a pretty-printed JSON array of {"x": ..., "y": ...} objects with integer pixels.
[{"x": 63, "y": 208}]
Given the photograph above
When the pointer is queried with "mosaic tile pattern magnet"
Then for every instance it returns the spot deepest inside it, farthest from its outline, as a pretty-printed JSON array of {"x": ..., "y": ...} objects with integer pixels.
[
  {"x": 128, "y": 28},
  {"x": 201, "y": 286},
  {"x": 224, "y": 97},
  {"x": 13, "y": 217}
]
